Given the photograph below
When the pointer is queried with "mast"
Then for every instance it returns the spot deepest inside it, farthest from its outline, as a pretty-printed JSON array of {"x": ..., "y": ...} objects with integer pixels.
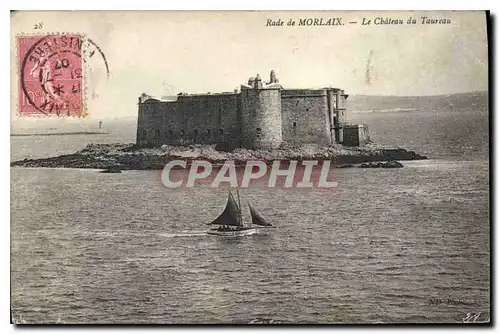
[
  {"x": 239, "y": 206},
  {"x": 238, "y": 193}
]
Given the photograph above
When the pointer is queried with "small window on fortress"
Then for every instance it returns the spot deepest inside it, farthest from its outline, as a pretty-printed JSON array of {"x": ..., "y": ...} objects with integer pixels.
[
  {"x": 259, "y": 131},
  {"x": 158, "y": 134},
  {"x": 208, "y": 132},
  {"x": 221, "y": 132},
  {"x": 170, "y": 133},
  {"x": 182, "y": 132},
  {"x": 294, "y": 124}
]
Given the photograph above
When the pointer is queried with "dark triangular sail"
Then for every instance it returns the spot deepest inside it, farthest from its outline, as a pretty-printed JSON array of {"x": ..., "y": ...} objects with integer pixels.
[
  {"x": 231, "y": 216},
  {"x": 257, "y": 218}
]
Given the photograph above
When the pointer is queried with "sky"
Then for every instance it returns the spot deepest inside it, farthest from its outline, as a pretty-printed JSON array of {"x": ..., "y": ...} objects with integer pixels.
[{"x": 164, "y": 53}]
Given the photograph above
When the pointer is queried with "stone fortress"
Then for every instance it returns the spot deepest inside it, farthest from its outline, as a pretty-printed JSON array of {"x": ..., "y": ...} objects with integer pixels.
[{"x": 262, "y": 115}]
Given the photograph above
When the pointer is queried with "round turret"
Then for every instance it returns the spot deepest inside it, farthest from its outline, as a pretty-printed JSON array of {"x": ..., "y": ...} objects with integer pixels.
[{"x": 261, "y": 118}]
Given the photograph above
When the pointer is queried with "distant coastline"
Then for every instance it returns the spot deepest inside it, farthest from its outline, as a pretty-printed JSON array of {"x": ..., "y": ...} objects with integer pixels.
[
  {"x": 432, "y": 103},
  {"x": 58, "y": 134}
]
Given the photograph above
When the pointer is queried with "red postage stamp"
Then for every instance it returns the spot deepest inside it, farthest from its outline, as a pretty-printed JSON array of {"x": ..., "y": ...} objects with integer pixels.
[{"x": 51, "y": 75}]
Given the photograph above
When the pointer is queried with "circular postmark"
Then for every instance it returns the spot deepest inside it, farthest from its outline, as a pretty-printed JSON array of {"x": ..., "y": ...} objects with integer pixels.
[
  {"x": 97, "y": 70},
  {"x": 52, "y": 73},
  {"x": 93, "y": 49}
]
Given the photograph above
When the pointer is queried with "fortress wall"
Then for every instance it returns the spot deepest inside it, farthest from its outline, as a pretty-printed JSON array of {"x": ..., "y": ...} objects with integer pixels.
[
  {"x": 305, "y": 116},
  {"x": 151, "y": 124},
  {"x": 207, "y": 119},
  {"x": 170, "y": 120},
  {"x": 141, "y": 136}
]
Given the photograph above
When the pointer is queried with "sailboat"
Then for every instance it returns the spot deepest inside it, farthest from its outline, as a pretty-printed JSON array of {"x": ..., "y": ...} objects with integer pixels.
[{"x": 230, "y": 221}]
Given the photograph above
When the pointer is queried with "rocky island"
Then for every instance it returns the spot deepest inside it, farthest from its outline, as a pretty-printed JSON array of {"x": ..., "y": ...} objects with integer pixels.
[{"x": 116, "y": 157}]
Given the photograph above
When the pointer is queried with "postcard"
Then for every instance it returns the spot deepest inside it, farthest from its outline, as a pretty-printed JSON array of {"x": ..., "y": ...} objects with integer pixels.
[{"x": 250, "y": 167}]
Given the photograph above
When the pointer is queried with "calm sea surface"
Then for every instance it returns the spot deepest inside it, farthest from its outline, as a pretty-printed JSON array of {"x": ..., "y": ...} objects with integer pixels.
[{"x": 121, "y": 248}]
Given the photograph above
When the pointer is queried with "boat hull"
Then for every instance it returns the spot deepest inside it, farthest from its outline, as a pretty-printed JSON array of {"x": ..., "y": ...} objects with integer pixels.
[{"x": 238, "y": 233}]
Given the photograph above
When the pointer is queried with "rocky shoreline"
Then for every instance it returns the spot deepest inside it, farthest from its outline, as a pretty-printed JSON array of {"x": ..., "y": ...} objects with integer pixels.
[{"x": 116, "y": 157}]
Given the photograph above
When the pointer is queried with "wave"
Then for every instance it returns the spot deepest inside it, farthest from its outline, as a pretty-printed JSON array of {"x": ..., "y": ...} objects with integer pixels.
[{"x": 186, "y": 234}]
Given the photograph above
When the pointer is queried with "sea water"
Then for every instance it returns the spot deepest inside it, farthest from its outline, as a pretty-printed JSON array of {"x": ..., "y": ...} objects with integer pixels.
[{"x": 383, "y": 246}]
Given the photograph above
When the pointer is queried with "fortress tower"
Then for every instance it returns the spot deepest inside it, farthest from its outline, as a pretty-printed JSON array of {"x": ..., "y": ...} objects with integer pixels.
[
  {"x": 261, "y": 113},
  {"x": 336, "y": 100}
]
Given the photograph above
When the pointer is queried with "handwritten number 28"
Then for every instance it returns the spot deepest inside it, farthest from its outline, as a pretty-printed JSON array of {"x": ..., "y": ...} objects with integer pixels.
[{"x": 38, "y": 25}]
